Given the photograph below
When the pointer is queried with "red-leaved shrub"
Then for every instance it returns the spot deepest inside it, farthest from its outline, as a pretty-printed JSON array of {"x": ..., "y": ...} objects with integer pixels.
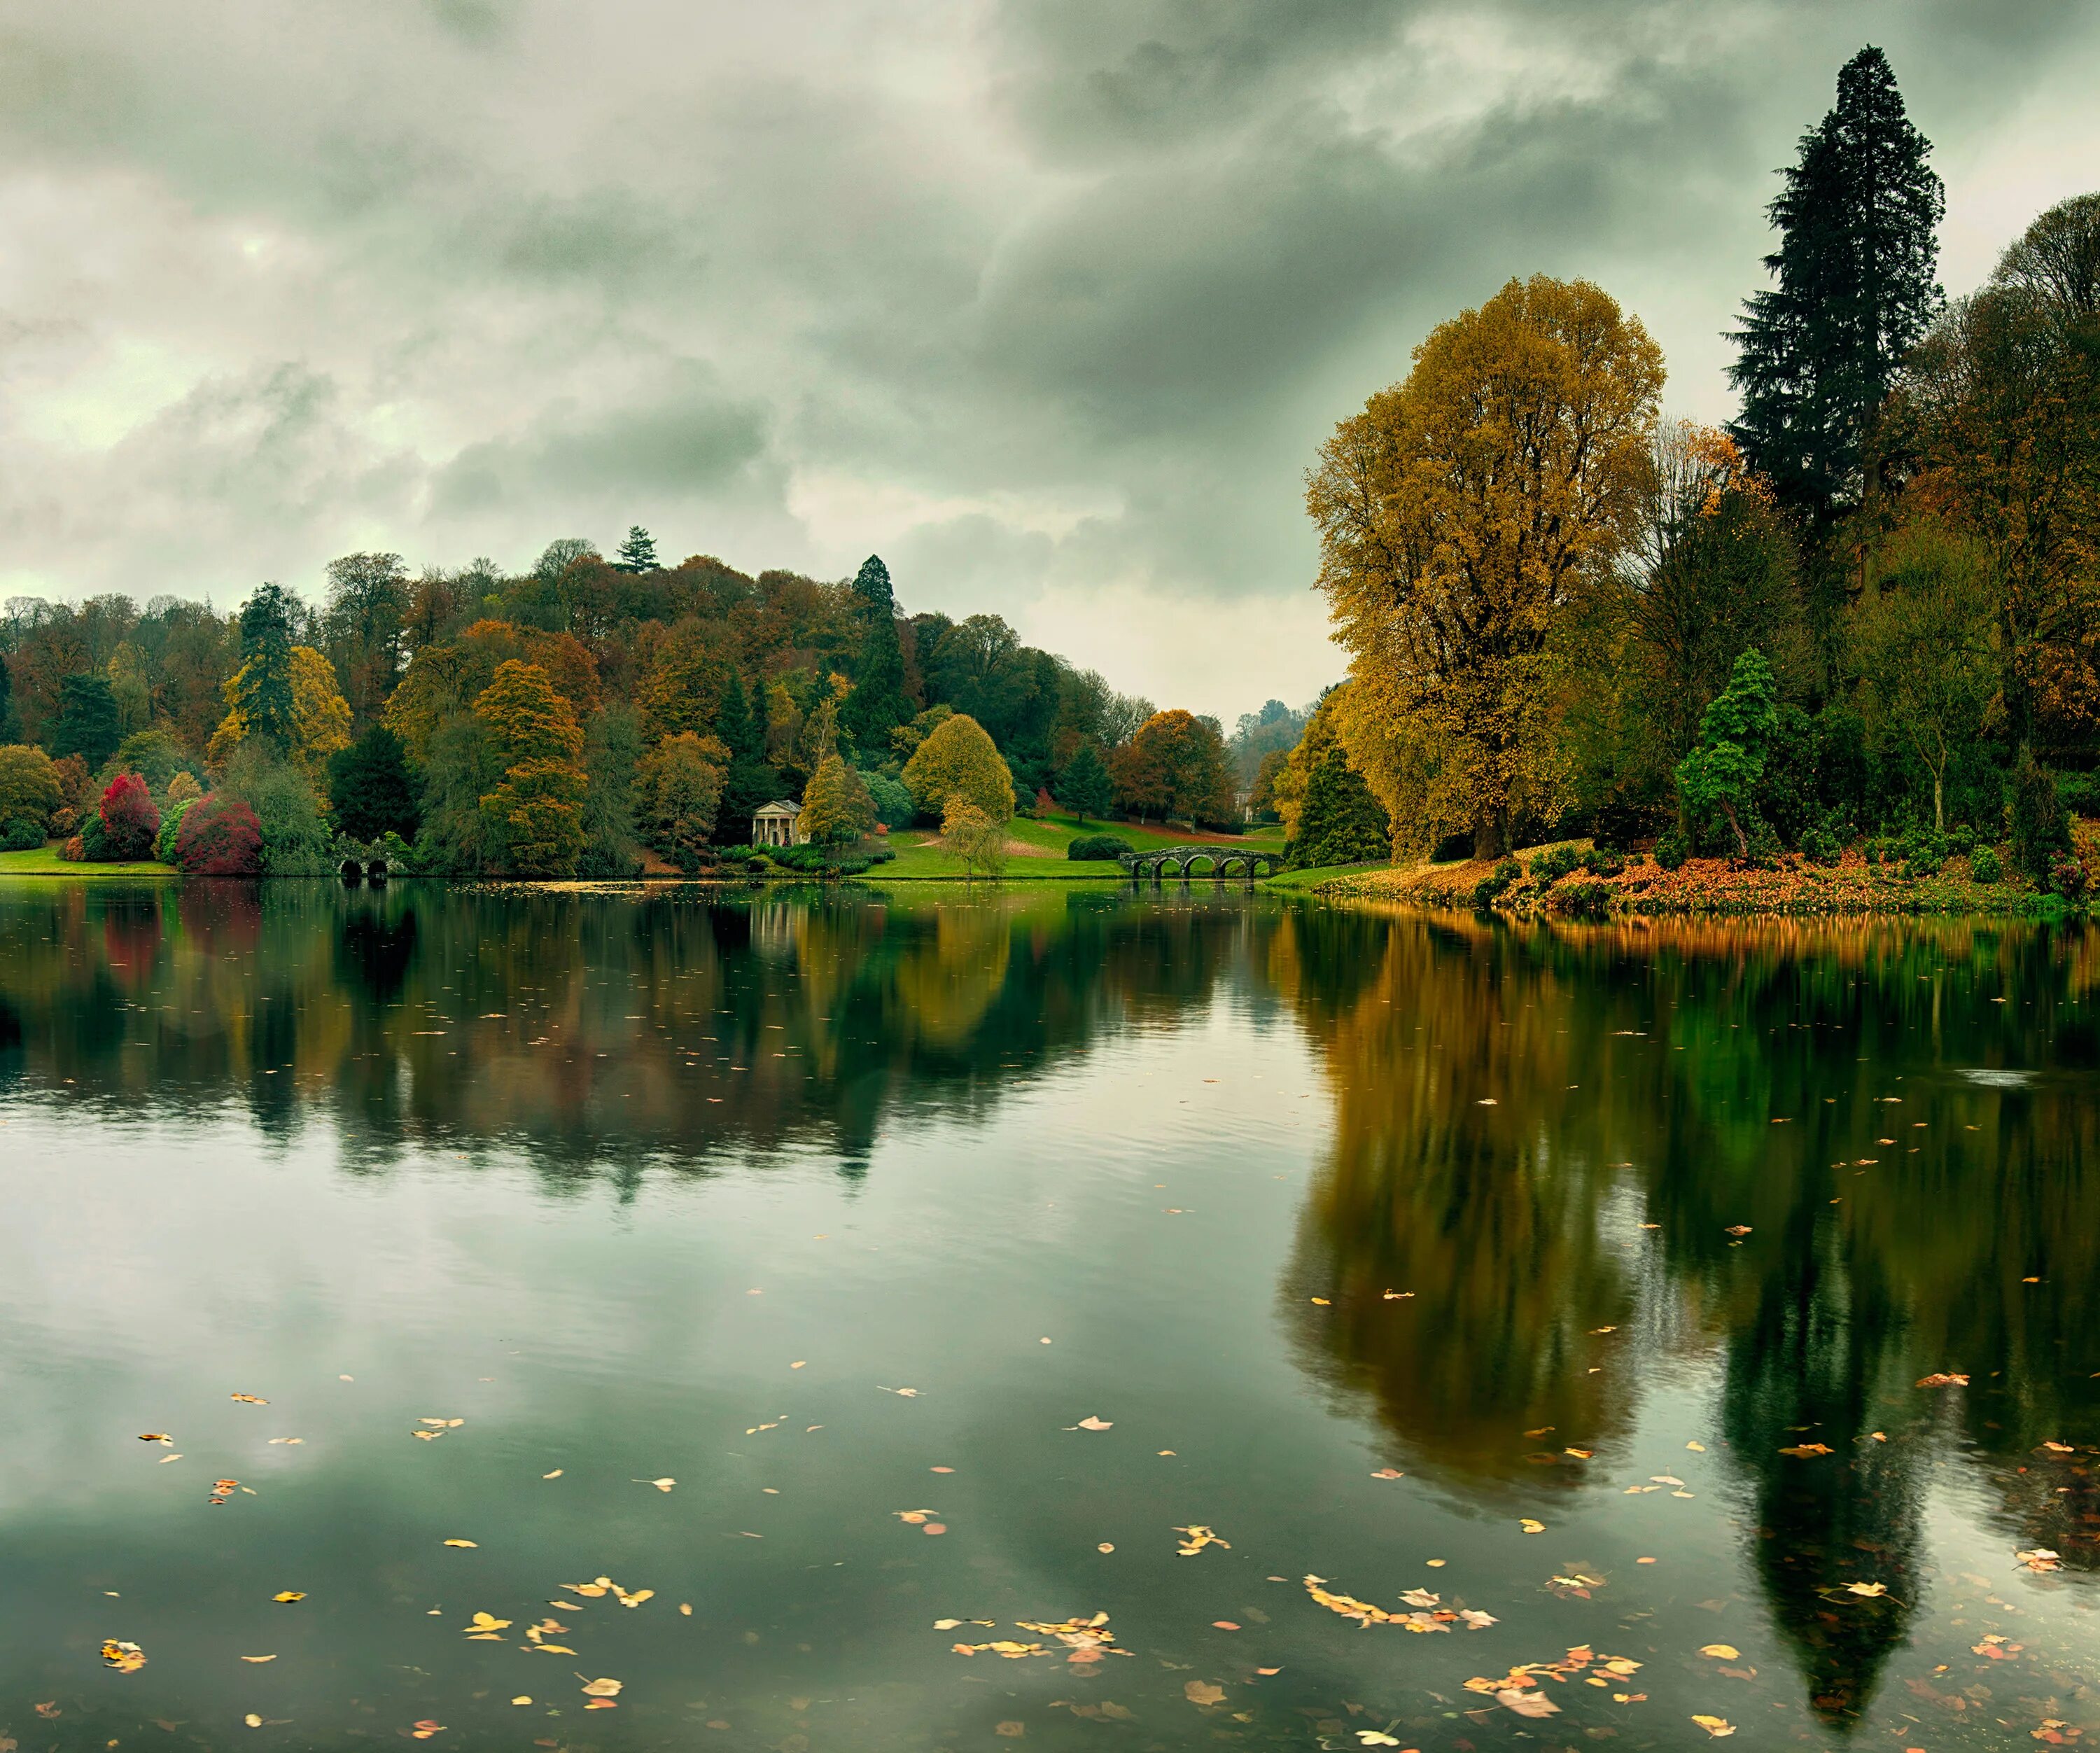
[
  {"x": 129, "y": 821},
  {"x": 220, "y": 837},
  {"x": 74, "y": 851}
]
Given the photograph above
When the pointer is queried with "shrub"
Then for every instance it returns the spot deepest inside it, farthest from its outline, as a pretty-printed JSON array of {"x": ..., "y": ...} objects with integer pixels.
[
  {"x": 74, "y": 852},
  {"x": 1673, "y": 850},
  {"x": 21, "y": 835},
  {"x": 1491, "y": 887},
  {"x": 739, "y": 854},
  {"x": 2067, "y": 877},
  {"x": 183, "y": 788},
  {"x": 31, "y": 786},
  {"x": 400, "y": 856},
  {"x": 1097, "y": 848},
  {"x": 64, "y": 821},
  {"x": 171, "y": 829},
  {"x": 1553, "y": 863},
  {"x": 94, "y": 842},
  {"x": 1984, "y": 866},
  {"x": 1923, "y": 851},
  {"x": 1592, "y": 899},
  {"x": 220, "y": 837},
  {"x": 1819, "y": 845},
  {"x": 130, "y": 821}
]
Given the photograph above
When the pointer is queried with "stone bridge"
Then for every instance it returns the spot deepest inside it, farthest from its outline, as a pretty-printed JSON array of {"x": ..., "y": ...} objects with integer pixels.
[{"x": 1180, "y": 862}]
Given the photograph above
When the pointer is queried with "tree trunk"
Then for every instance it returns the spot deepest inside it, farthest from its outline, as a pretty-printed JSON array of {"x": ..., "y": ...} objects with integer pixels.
[
  {"x": 1938, "y": 803},
  {"x": 1491, "y": 834},
  {"x": 1742, "y": 841}
]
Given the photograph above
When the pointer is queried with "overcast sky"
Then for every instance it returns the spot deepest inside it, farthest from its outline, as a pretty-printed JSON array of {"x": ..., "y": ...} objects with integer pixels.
[{"x": 1048, "y": 302}]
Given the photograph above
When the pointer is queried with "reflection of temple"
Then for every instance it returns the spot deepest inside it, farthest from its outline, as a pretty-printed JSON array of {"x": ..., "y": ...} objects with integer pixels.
[{"x": 1496, "y": 1092}]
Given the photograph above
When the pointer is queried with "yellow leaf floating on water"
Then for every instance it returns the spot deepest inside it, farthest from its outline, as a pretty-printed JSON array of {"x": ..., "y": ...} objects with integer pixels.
[
  {"x": 487, "y": 1622},
  {"x": 522, "y": 1698},
  {"x": 155, "y": 1436},
  {"x": 289, "y": 1595},
  {"x": 1529, "y": 1526},
  {"x": 252, "y": 1720},
  {"x": 249, "y": 1400},
  {"x": 556, "y": 1474},
  {"x": 1868, "y": 1589},
  {"x": 1807, "y": 1451},
  {"x": 602, "y": 1689},
  {"x": 127, "y": 1658},
  {"x": 467, "y": 1543},
  {"x": 661, "y": 1485},
  {"x": 258, "y": 1659},
  {"x": 1725, "y": 1652},
  {"x": 1199, "y": 1537},
  {"x": 1719, "y": 1727}
]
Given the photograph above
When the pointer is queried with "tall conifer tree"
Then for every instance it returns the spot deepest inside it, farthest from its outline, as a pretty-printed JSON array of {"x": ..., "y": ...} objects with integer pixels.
[
  {"x": 877, "y": 705},
  {"x": 1855, "y": 270}
]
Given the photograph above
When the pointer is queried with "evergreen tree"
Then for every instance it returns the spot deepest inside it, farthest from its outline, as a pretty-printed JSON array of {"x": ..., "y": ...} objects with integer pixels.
[
  {"x": 371, "y": 791},
  {"x": 734, "y": 724},
  {"x": 877, "y": 705},
  {"x": 1855, "y": 264},
  {"x": 638, "y": 554},
  {"x": 87, "y": 721},
  {"x": 1084, "y": 787},
  {"x": 1339, "y": 822},
  {"x": 262, "y": 693}
]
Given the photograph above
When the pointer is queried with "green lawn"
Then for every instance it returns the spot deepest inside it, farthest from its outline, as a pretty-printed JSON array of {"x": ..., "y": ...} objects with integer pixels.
[
  {"x": 46, "y": 862},
  {"x": 921, "y": 854}
]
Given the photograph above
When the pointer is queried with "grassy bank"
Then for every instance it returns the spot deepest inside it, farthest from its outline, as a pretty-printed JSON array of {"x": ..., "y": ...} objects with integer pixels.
[
  {"x": 44, "y": 861},
  {"x": 1792, "y": 884}
]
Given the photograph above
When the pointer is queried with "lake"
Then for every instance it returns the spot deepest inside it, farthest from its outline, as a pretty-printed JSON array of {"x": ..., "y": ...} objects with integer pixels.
[{"x": 792, "y": 1319}]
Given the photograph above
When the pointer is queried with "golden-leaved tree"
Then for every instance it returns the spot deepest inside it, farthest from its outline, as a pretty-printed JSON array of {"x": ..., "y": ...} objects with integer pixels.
[
  {"x": 536, "y": 812},
  {"x": 1459, "y": 515},
  {"x": 320, "y": 716},
  {"x": 958, "y": 759}
]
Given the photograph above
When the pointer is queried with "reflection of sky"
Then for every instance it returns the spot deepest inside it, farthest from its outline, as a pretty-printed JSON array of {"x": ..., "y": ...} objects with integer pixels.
[{"x": 1112, "y": 1198}]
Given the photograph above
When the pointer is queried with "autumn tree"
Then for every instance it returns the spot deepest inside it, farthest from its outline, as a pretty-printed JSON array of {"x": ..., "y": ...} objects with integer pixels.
[
  {"x": 536, "y": 813},
  {"x": 974, "y": 835},
  {"x": 682, "y": 688},
  {"x": 957, "y": 759},
  {"x": 1858, "y": 222},
  {"x": 677, "y": 791},
  {"x": 1459, "y": 515},
  {"x": 29, "y": 787},
  {"x": 1175, "y": 768},
  {"x": 836, "y": 808},
  {"x": 317, "y": 726}
]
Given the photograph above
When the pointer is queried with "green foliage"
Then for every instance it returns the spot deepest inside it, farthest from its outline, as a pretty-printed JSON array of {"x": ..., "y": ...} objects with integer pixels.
[
  {"x": 156, "y": 755},
  {"x": 87, "y": 724},
  {"x": 1084, "y": 787},
  {"x": 613, "y": 752},
  {"x": 1819, "y": 845},
  {"x": 20, "y": 834},
  {"x": 638, "y": 554},
  {"x": 1097, "y": 848},
  {"x": 974, "y": 835},
  {"x": 1858, "y": 221},
  {"x": 1729, "y": 759},
  {"x": 1339, "y": 822},
  {"x": 30, "y": 785},
  {"x": 1984, "y": 866},
  {"x": 892, "y": 798},
  {"x": 877, "y": 704},
  {"x": 295, "y": 837},
  {"x": 1496, "y": 884},
  {"x": 260, "y": 693},
  {"x": 677, "y": 790},
  {"x": 171, "y": 829},
  {"x": 2040, "y": 825},
  {"x": 1672, "y": 852},
  {"x": 456, "y": 839},
  {"x": 371, "y": 789},
  {"x": 535, "y": 817}
]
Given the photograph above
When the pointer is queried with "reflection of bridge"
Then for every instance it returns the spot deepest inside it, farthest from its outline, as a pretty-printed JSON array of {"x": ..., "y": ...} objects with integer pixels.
[{"x": 1163, "y": 862}]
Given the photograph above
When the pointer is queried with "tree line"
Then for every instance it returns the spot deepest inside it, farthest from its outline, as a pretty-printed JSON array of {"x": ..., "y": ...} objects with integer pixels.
[
  {"x": 558, "y": 721},
  {"x": 1869, "y": 607}
]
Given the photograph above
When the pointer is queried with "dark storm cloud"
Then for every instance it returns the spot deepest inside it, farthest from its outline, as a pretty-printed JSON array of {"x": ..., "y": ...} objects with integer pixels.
[{"x": 1049, "y": 300}]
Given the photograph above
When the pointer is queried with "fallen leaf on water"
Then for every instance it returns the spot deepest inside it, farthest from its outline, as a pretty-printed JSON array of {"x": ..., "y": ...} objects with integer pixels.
[
  {"x": 253, "y": 1721},
  {"x": 1199, "y": 1537},
  {"x": 522, "y": 1698},
  {"x": 935, "y": 1527},
  {"x": 1093, "y": 1421},
  {"x": 289, "y": 1595},
  {"x": 1322, "y": 1302},
  {"x": 1725, "y": 1652},
  {"x": 1389, "y": 1473},
  {"x": 165, "y": 1459},
  {"x": 2040, "y": 1559},
  {"x": 661, "y": 1485},
  {"x": 685, "y": 1607},
  {"x": 258, "y": 1659},
  {"x": 1202, "y": 1692},
  {"x": 1581, "y": 1454},
  {"x": 1868, "y": 1589},
  {"x": 1696, "y": 1448},
  {"x": 1372, "y": 1738},
  {"x": 468, "y": 1543},
  {"x": 1529, "y": 1526},
  {"x": 1268, "y": 1671},
  {"x": 1104, "y": 1547},
  {"x": 556, "y": 1474},
  {"x": 1420, "y": 1597},
  {"x": 1477, "y": 1620},
  {"x": 1719, "y": 1727},
  {"x": 127, "y": 1658},
  {"x": 485, "y": 1622},
  {"x": 49, "y": 1708},
  {"x": 906, "y": 1393},
  {"x": 1943, "y": 1381},
  {"x": 1011, "y": 1729},
  {"x": 1223, "y": 1625},
  {"x": 1805, "y": 1450},
  {"x": 250, "y": 1400},
  {"x": 2059, "y": 1448},
  {"x": 915, "y": 1515},
  {"x": 1395, "y": 1296},
  {"x": 1526, "y": 1703},
  {"x": 424, "y": 1729},
  {"x": 602, "y": 1689},
  {"x": 155, "y": 1436}
]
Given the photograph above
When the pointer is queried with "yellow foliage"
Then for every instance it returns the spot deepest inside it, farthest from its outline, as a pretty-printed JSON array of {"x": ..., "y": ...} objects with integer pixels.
[{"x": 320, "y": 716}]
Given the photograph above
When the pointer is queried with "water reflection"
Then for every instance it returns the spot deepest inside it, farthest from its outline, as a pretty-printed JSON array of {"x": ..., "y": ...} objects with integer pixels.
[
  {"x": 1819, "y": 1151},
  {"x": 1802, "y": 1168}
]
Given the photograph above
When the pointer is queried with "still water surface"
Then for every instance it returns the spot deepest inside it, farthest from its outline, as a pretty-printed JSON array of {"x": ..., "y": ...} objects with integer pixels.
[{"x": 731, "y": 1247}]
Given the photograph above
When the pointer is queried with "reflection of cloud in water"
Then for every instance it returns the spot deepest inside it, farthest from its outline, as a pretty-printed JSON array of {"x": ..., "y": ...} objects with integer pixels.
[{"x": 1990, "y": 1077}]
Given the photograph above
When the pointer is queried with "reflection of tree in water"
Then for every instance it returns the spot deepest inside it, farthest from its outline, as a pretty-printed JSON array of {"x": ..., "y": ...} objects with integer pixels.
[
  {"x": 665, "y": 1026},
  {"x": 1670, "y": 1051}
]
